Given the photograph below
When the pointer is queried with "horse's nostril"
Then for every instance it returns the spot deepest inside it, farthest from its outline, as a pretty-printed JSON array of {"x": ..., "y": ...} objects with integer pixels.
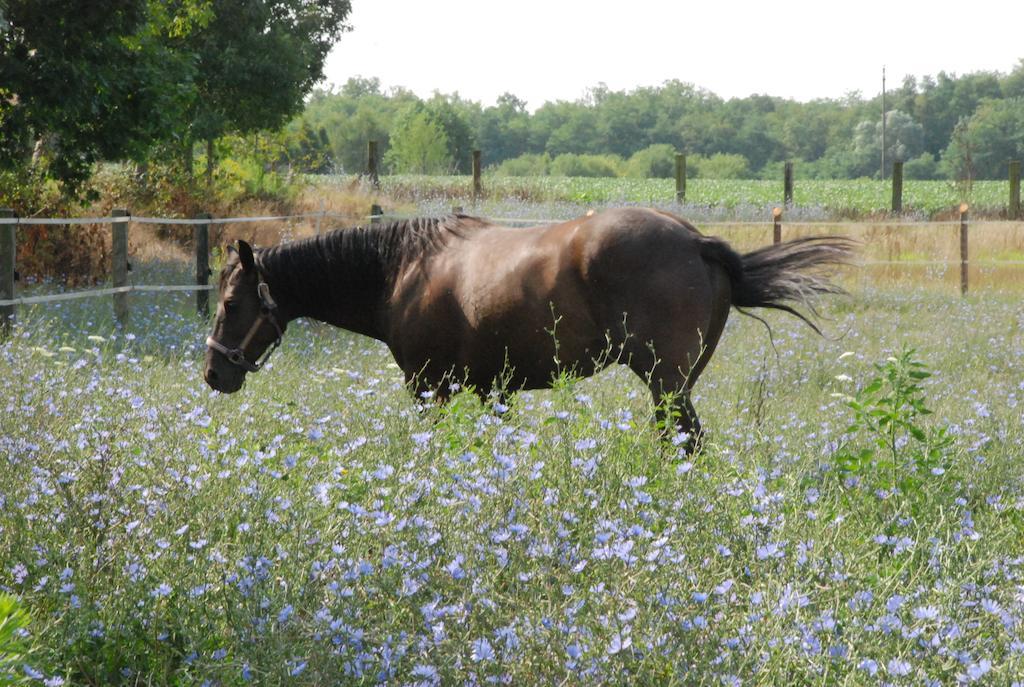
[{"x": 211, "y": 376}]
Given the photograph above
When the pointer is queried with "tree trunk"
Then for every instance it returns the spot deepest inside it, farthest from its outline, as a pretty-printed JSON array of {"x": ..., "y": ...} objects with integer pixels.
[
  {"x": 209, "y": 163},
  {"x": 46, "y": 145},
  {"x": 142, "y": 173},
  {"x": 187, "y": 158}
]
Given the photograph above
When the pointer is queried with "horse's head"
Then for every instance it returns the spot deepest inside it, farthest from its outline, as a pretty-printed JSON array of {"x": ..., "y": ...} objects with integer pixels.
[{"x": 247, "y": 327}]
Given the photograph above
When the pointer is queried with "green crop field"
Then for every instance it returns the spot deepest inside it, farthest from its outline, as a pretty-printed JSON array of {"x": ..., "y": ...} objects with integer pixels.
[
  {"x": 842, "y": 198},
  {"x": 320, "y": 528}
]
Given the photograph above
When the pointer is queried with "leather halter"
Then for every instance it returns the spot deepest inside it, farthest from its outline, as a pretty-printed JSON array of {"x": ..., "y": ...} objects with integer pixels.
[{"x": 236, "y": 356}]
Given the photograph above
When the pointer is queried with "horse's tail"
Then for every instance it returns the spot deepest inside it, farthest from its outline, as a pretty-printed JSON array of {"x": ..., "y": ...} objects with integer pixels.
[{"x": 782, "y": 275}]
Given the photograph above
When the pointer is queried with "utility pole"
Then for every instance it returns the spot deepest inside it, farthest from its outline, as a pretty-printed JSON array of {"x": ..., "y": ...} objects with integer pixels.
[{"x": 883, "y": 122}]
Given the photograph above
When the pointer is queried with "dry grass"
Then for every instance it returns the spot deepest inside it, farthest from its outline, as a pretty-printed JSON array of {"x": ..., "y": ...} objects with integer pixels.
[
  {"x": 346, "y": 204},
  {"x": 925, "y": 254},
  {"x": 892, "y": 241},
  {"x": 343, "y": 205}
]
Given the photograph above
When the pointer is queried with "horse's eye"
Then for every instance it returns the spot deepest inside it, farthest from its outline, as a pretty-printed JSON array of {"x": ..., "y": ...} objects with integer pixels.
[{"x": 229, "y": 306}]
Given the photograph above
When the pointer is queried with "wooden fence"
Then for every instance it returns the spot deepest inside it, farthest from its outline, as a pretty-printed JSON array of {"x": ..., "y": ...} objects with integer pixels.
[
  {"x": 120, "y": 221},
  {"x": 1013, "y": 210}
]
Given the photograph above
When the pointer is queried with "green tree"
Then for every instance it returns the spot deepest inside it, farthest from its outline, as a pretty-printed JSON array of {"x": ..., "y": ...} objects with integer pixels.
[
  {"x": 764, "y": 130},
  {"x": 1013, "y": 85},
  {"x": 309, "y": 150},
  {"x": 946, "y": 99},
  {"x": 623, "y": 121},
  {"x": 806, "y": 131},
  {"x": 360, "y": 112},
  {"x": 82, "y": 81},
  {"x": 419, "y": 144},
  {"x": 453, "y": 115},
  {"x": 255, "y": 61},
  {"x": 564, "y": 127},
  {"x": 985, "y": 141},
  {"x": 904, "y": 140},
  {"x": 504, "y": 130}
]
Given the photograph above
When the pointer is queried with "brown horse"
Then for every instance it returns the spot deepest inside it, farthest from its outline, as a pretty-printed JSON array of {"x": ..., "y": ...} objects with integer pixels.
[{"x": 462, "y": 300}]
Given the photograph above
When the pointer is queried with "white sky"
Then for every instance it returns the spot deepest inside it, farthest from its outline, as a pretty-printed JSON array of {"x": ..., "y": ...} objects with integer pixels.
[{"x": 543, "y": 50}]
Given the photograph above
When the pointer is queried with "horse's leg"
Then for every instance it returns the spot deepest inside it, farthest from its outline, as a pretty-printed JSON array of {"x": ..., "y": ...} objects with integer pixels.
[
  {"x": 427, "y": 390},
  {"x": 677, "y": 351},
  {"x": 670, "y": 389}
]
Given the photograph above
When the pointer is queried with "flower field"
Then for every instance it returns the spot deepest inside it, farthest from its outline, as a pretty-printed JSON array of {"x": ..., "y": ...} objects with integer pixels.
[{"x": 856, "y": 517}]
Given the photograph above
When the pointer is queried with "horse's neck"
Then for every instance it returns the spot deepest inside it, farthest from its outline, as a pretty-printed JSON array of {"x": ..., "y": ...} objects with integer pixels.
[{"x": 343, "y": 283}]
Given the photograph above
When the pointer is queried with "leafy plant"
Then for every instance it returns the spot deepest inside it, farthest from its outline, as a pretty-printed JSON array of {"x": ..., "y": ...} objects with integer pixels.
[
  {"x": 889, "y": 410},
  {"x": 13, "y": 648}
]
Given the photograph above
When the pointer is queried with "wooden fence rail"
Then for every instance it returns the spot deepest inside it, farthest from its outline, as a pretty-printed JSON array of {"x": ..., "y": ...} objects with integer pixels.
[{"x": 119, "y": 220}]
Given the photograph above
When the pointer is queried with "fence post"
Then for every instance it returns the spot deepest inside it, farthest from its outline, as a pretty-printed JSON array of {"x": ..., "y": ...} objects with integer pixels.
[
  {"x": 119, "y": 258},
  {"x": 477, "y": 185},
  {"x": 201, "y": 236},
  {"x": 1014, "y": 211},
  {"x": 777, "y": 225},
  {"x": 897, "y": 186},
  {"x": 963, "y": 248},
  {"x": 680, "y": 177},
  {"x": 8, "y": 250},
  {"x": 371, "y": 163},
  {"x": 787, "y": 185}
]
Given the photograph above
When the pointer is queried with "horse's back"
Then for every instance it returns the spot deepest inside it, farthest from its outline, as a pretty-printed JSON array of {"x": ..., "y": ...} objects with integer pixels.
[{"x": 499, "y": 295}]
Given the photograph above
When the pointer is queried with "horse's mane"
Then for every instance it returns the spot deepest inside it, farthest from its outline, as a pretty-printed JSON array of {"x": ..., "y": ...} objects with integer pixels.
[
  {"x": 363, "y": 257},
  {"x": 390, "y": 244}
]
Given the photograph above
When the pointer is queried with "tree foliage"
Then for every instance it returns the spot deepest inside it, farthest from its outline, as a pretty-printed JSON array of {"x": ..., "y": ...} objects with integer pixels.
[
  {"x": 82, "y": 81},
  {"x": 256, "y": 60},
  {"x": 987, "y": 139},
  {"x": 904, "y": 140},
  {"x": 419, "y": 144},
  {"x": 644, "y": 127}
]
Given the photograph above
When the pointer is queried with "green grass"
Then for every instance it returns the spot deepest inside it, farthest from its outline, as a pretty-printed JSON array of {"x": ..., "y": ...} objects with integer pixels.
[
  {"x": 843, "y": 198},
  {"x": 318, "y": 528}
]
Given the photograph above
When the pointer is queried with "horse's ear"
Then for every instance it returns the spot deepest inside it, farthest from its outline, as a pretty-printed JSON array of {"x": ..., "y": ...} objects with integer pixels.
[{"x": 245, "y": 255}]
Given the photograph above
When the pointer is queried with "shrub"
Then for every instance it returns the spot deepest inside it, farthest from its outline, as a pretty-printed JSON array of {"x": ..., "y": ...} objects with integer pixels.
[
  {"x": 656, "y": 161},
  {"x": 247, "y": 178},
  {"x": 527, "y": 165},
  {"x": 14, "y": 649},
  {"x": 79, "y": 254},
  {"x": 922, "y": 167},
  {"x": 722, "y": 166},
  {"x": 573, "y": 165},
  {"x": 889, "y": 447}
]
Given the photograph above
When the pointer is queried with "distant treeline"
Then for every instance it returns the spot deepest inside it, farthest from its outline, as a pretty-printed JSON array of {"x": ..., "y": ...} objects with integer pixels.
[{"x": 943, "y": 127}]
